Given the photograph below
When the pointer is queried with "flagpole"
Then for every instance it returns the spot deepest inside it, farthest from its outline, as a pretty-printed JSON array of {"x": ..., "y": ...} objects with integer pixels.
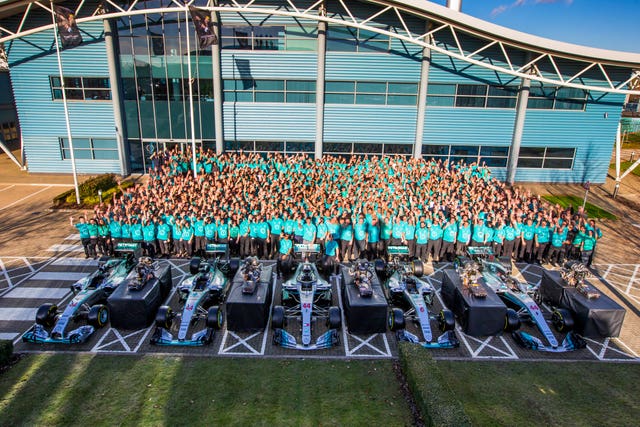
[
  {"x": 193, "y": 125},
  {"x": 64, "y": 102}
]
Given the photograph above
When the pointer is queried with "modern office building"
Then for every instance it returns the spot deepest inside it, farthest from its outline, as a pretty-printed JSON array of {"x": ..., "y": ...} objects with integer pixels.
[{"x": 329, "y": 76}]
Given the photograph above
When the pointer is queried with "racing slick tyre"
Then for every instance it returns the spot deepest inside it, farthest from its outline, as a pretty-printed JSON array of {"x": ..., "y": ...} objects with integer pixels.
[
  {"x": 194, "y": 265},
  {"x": 511, "y": 321},
  {"x": 277, "y": 317},
  {"x": 98, "y": 316},
  {"x": 562, "y": 320},
  {"x": 215, "y": 317},
  {"x": 446, "y": 320},
  {"x": 234, "y": 266},
  {"x": 164, "y": 318},
  {"x": 381, "y": 268},
  {"x": 418, "y": 268},
  {"x": 46, "y": 314},
  {"x": 396, "y": 319},
  {"x": 334, "y": 320}
]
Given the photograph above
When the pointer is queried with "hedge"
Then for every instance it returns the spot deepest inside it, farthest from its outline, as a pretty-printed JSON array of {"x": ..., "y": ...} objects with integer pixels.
[
  {"x": 89, "y": 192},
  {"x": 433, "y": 395},
  {"x": 6, "y": 351}
]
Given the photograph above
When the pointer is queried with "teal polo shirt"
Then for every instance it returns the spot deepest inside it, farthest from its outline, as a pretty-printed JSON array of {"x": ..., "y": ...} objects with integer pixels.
[{"x": 83, "y": 229}]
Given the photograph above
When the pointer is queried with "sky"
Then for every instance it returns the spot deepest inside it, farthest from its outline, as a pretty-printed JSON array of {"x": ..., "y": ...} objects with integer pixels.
[{"x": 605, "y": 24}]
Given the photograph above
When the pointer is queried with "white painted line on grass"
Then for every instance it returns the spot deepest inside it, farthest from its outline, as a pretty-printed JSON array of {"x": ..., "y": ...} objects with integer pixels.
[
  {"x": 58, "y": 276},
  {"x": 8, "y": 335},
  {"x": 25, "y": 198},
  {"x": 18, "y": 313},
  {"x": 65, "y": 248},
  {"x": 37, "y": 293},
  {"x": 81, "y": 262}
]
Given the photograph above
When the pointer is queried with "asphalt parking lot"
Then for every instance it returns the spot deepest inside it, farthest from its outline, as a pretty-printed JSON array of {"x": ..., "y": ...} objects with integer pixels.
[{"x": 41, "y": 256}]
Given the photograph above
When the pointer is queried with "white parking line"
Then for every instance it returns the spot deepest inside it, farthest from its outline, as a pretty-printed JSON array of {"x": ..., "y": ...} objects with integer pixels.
[
  {"x": 18, "y": 313},
  {"x": 75, "y": 262},
  {"x": 25, "y": 198},
  {"x": 73, "y": 237},
  {"x": 37, "y": 293},
  {"x": 6, "y": 275},
  {"x": 58, "y": 276},
  {"x": 65, "y": 248},
  {"x": 7, "y": 188},
  {"x": 633, "y": 277}
]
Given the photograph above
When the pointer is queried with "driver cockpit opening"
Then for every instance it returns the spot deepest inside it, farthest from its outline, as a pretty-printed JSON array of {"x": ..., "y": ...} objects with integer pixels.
[{"x": 307, "y": 277}]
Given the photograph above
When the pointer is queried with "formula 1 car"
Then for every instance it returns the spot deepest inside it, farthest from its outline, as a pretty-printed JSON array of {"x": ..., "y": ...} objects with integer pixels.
[
  {"x": 412, "y": 298},
  {"x": 306, "y": 296},
  {"x": 199, "y": 296},
  {"x": 362, "y": 273},
  {"x": 497, "y": 275},
  {"x": 87, "y": 305}
]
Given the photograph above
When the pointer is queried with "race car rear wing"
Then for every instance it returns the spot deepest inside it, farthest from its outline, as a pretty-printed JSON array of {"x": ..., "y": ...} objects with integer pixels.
[
  {"x": 125, "y": 250},
  {"x": 398, "y": 250}
]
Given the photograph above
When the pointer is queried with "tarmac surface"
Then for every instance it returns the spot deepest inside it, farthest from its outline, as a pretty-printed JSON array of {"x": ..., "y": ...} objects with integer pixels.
[{"x": 41, "y": 256}]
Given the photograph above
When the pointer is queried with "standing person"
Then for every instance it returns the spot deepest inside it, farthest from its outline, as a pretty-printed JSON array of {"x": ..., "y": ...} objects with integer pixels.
[
  {"x": 126, "y": 230},
  {"x": 284, "y": 254},
  {"x": 104, "y": 241},
  {"x": 262, "y": 238},
  {"x": 245, "y": 239},
  {"x": 463, "y": 237},
  {"x": 374, "y": 245},
  {"x": 210, "y": 229},
  {"x": 85, "y": 237},
  {"x": 198, "y": 236},
  {"x": 510, "y": 238},
  {"x": 186, "y": 239},
  {"x": 163, "y": 238},
  {"x": 386, "y": 229},
  {"x": 597, "y": 234},
  {"x": 588, "y": 243},
  {"x": 422, "y": 238},
  {"x": 331, "y": 254},
  {"x": 136, "y": 232},
  {"x": 149, "y": 237},
  {"x": 558, "y": 238},
  {"x": 222, "y": 228},
  {"x": 449, "y": 233},
  {"x": 234, "y": 235},
  {"x": 435, "y": 239},
  {"x": 498, "y": 238},
  {"x": 478, "y": 237},
  {"x": 321, "y": 233},
  {"x": 410, "y": 236},
  {"x": 527, "y": 241},
  {"x": 346, "y": 239},
  {"x": 309, "y": 231},
  {"x": 93, "y": 237},
  {"x": 176, "y": 236},
  {"x": 276, "y": 225},
  {"x": 115, "y": 232},
  {"x": 542, "y": 237},
  {"x": 360, "y": 238},
  {"x": 397, "y": 232}
]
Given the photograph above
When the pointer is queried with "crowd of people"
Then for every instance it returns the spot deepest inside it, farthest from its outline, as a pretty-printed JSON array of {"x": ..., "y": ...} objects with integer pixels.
[{"x": 261, "y": 205}]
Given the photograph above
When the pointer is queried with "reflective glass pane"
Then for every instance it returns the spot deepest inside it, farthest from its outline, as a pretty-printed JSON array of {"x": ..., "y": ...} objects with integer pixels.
[
  {"x": 465, "y": 159},
  {"x": 301, "y": 44},
  {"x": 503, "y": 91},
  {"x": 269, "y": 85},
  {"x": 97, "y": 94},
  {"x": 370, "y": 99},
  {"x": 82, "y": 154},
  {"x": 301, "y": 97},
  {"x": 501, "y": 103},
  {"x": 531, "y": 152},
  {"x": 339, "y": 98},
  {"x": 73, "y": 82},
  {"x": 441, "y": 89},
  {"x": 540, "y": 104},
  {"x": 368, "y": 87},
  {"x": 74, "y": 94},
  {"x": 269, "y": 146},
  {"x": 109, "y": 144},
  {"x": 105, "y": 154},
  {"x": 367, "y": 148},
  {"x": 338, "y": 32},
  {"x": 488, "y": 150},
  {"x": 407, "y": 88},
  {"x": 300, "y": 146},
  {"x": 344, "y": 87},
  {"x": 472, "y": 90},
  {"x": 469, "y": 150},
  {"x": 435, "y": 149},
  {"x": 401, "y": 100},
  {"x": 566, "y": 153},
  {"x": 338, "y": 45},
  {"x": 373, "y": 46},
  {"x": 470, "y": 101},
  {"x": 90, "y": 82},
  {"x": 440, "y": 101},
  {"x": 301, "y": 85},
  {"x": 398, "y": 148},
  {"x": 55, "y": 81},
  {"x": 569, "y": 105},
  {"x": 57, "y": 94},
  {"x": 529, "y": 163},
  {"x": 337, "y": 147},
  {"x": 269, "y": 96},
  {"x": 494, "y": 162},
  {"x": 558, "y": 163},
  {"x": 569, "y": 92}
]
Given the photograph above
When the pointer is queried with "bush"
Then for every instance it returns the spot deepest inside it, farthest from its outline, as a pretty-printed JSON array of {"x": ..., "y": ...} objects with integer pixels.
[
  {"x": 6, "y": 351},
  {"x": 433, "y": 395},
  {"x": 89, "y": 192}
]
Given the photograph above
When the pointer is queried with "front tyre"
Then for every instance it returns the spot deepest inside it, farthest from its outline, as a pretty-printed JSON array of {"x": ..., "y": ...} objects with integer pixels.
[
  {"x": 46, "y": 315},
  {"x": 215, "y": 318},
  {"x": 277, "y": 317},
  {"x": 511, "y": 321},
  {"x": 396, "y": 320},
  {"x": 446, "y": 320},
  {"x": 562, "y": 320},
  {"x": 334, "y": 320},
  {"x": 164, "y": 318},
  {"x": 98, "y": 316}
]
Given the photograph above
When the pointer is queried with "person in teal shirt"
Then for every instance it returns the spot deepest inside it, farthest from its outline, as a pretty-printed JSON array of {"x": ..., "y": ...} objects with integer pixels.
[
  {"x": 149, "y": 237},
  {"x": 360, "y": 238},
  {"x": 276, "y": 225},
  {"x": 374, "y": 248},
  {"x": 104, "y": 241},
  {"x": 245, "y": 239},
  {"x": 510, "y": 239},
  {"x": 262, "y": 238},
  {"x": 478, "y": 237},
  {"x": 115, "y": 231},
  {"x": 498, "y": 237},
  {"x": 136, "y": 232},
  {"x": 527, "y": 245},
  {"x": 285, "y": 260},
  {"x": 126, "y": 230},
  {"x": 186, "y": 239},
  {"x": 331, "y": 254},
  {"x": 309, "y": 231},
  {"x": 199, "y": 239},
  {"x": 449, "y": 233},
  {"x": 542, "y": 237},
  {"x": 435, "y": 240},
  {"x": 558, "y": 239},
  {"x": 346, "y": 239},
  {"x": 85, "y": 236},
  {"x": 588, "y": 243},
  {"x": 464, "y": 237},
  {"x": 163, "y": 238},
  {"x": 422, "y": 238},
  {"x": 210, "y": 230}
]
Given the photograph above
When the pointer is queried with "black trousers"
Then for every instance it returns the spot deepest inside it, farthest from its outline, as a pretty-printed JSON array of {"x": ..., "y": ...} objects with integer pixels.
[
  {"x": 433, "y": 249},
  {"x": 447, "y": 251}
]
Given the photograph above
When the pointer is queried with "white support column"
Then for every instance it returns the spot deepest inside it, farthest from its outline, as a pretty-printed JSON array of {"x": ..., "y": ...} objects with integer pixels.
[
  {"x": 422, "y": 100},
  {"x": 218, "y": 95},
  {"x": 518, "y": 128},
  {"x": 618, "y": 147},
  {"x": 115, "y": 82},
  {"x": 320, "y": 81},
  {"x": 193, "y": 123},
  {"x": 64, "y": 102}
]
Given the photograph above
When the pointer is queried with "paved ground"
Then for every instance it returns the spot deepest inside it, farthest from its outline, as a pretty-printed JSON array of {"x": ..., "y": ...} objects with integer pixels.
[{"x": 40, "y": 256}]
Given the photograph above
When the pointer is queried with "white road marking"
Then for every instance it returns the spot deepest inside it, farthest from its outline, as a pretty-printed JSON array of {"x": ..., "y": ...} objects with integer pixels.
[
  {"x": 8, "y": 335},
  {"x": 24, "y": 198},
  {"x": 18, "y": 313},
  {"x": 75, "y": 262},
  {"x": 6, "y": 275},
  {"x": 37, "y": 293},
  {"x": 73, "y": 237},
  {"x": 65, "y": 248},
  {"x": 7, "y": 188},
  {"x": 633, "y": 277},
  {"x": 58, "y": 276}
]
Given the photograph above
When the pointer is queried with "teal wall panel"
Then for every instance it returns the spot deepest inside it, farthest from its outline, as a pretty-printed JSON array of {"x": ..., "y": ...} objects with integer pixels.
[
  {"x": 269, "y": 65},
  {"x": 269, "y": 122},
  {"x": 359, "y": 123},
  {"x": 468, "y": 126},
  {"x": 374, "y": 67}
]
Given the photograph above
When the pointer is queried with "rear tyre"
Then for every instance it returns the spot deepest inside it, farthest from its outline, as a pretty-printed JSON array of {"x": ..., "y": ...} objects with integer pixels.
[
  {"x": 215, "y": 317},
  {"x": 562, "y": 320},
  {"x": 46, "y": 314},
  {"x": 418, "y": 268},
  {"x": 277, "y": 317},
  {"x": 164, "y": 318},
  {"x": 511, "y": 321},
  {"x": 334, "y": 321},
  {"x": 381, "y": 268},
  {"x": 446, "y": 320},
  {"x": 396, "y": 319},
  {"x": 194, "y": 265},
  {"x": 98, "y": 316}
]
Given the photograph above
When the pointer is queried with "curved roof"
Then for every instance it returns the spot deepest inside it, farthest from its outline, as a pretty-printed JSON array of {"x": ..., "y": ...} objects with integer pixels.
[{"x": 535, "y": 43}]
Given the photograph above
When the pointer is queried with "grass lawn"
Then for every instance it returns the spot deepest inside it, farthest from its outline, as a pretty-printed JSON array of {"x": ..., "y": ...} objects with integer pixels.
[
  {"x": 75, "y": 389},
  {"x": 624, "y": 166},
  {"x": 592, "y": 210},
  {"x": 544, "y": 393}
]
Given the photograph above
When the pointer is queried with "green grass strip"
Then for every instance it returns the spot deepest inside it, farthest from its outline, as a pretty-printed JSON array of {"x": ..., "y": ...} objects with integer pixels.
[{"x": 592, "y": 210}]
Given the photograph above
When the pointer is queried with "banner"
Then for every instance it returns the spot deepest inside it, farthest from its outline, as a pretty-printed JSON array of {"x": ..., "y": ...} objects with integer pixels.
[
  {"x": 67, "y": 27},
  {"x": 204, "y": 27}
]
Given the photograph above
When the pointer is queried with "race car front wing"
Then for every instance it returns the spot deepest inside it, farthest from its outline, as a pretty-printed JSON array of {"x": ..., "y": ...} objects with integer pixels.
[
  {"x": 446, "y": 340},
  {"x": 161, "y": 336},
  {"x": 327, "y": 340},
  {"x": 571, "y": 342},
  {"x": 39, "y": 335}
]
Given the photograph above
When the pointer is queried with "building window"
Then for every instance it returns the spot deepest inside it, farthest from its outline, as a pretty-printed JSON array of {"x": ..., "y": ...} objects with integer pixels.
[
  {"x": 556, "y": 98},
  {"x": 546, "y": 157},
  {"x": 289, "y": 91},
  {"x": 81, "y": 88},
  {"x": 290, "y": 38},
  {"x": 284, "y": 147},
  {"x": 471, "y": 96},
  {"x": 365, "y": 149},
  {"x": 371, "y": 93},
  {"x": 90, "y": 149},
  {"x": 347, "y": 39},
  {"x": 9, "y": 132},
  {"x": 491, "y": 155}
]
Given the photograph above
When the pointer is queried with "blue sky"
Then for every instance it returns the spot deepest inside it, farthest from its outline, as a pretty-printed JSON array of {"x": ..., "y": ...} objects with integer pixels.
[{"x": 606, "y": 24}]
